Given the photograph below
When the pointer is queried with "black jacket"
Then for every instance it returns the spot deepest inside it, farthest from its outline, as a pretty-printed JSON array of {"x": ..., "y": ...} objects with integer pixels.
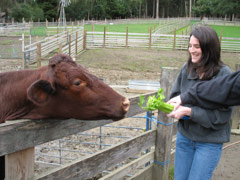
[
  {"x": 220, "y": 92},
  {"x": 204, "y": 125}
]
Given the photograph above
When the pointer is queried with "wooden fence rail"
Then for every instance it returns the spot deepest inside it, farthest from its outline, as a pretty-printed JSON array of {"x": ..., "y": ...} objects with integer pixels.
[{"x": 152, "y": 40}]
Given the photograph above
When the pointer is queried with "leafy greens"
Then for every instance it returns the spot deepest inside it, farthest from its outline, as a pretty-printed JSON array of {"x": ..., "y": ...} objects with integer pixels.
[{"x": 156, "y": 103}]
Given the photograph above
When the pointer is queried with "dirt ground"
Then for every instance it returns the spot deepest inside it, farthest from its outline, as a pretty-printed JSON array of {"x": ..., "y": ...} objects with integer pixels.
[
  {"x": 229, "y": 166},
  {"x": 117, "y": 66}
]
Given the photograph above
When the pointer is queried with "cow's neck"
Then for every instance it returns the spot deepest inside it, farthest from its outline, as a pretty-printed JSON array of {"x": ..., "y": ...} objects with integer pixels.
[{"x": 13, "y": 89}]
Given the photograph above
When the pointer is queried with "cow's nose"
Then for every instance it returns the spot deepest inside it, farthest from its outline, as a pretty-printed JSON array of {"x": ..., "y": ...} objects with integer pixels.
[{"x": 126, "y": 104}]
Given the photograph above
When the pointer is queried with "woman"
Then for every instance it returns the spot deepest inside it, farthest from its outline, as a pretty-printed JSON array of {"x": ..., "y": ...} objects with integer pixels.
[{"x": 200, "y": 138}]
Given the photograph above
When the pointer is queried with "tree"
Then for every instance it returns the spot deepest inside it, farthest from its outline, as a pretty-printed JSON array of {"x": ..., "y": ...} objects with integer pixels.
[
  {"x": 226, "y": 8},
  {"x": 101, "y": 9},
  {"x": 190, "y": 8},
  {"x": 217, "y": 8},
  {"x": 28, "y": 12},
  {"x": 50, "y": 8},
  {"x": 203, "y": 8},
  {"x": 157, "y": 9},
  {"x": 6, "y": 6}
]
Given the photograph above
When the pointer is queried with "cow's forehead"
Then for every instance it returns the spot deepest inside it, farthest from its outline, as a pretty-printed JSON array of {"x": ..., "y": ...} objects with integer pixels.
[{"x": 73, "y": 71}]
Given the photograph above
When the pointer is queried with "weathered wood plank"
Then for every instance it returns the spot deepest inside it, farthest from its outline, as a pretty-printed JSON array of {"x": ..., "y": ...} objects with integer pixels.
[
  {"x": 26, "y": 133},
  {"x": 20, "y": 165},
  {"x": 121, "y": 172},
  {"x": 95, "y": 164},
  {"x": 21, "y": 134},
  {"x": 145, "y": 174}
]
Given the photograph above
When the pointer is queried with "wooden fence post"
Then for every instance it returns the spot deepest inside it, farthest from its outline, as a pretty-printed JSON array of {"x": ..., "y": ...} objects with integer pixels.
[
  {"x": 236, "y": 111},
  {"x": 220, "y": 38},
  {"x": 92, "y": 27},
  {"x": 47, "y": 27},
  {"x": 60, "y": 48},
  {"x": 150, "y": 37},
  {"x": 164, "y": 131},
  {"x": 104, "y": 37},
  {"x": 174, "y": 40},
  {"x": 23, "y": 56},
  {"x": 39, "y": 55},
  {"x": 127, "y": 37},
  {"x": 76, "y": 44},
  {"x": 84, "y": 40},
  {"x": 20, "y": 165},
  {"x": 69, "y": 45}
]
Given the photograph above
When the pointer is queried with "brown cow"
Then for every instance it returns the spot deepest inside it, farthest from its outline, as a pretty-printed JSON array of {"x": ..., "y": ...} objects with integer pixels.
[{"x": 62, "y": 90}]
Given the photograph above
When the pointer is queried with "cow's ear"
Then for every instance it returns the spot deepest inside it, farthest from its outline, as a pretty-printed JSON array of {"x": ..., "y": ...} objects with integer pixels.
[{"x": 39, "y": 91}]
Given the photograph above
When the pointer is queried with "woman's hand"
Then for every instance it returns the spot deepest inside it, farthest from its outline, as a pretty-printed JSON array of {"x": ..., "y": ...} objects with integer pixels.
[
  {"x": 180, "y": 112},
  {"x": 176, "y": 101}
]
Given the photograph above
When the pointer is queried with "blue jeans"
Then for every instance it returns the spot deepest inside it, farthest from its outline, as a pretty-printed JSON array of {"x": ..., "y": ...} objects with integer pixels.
[{"x": 195, "y": 160}]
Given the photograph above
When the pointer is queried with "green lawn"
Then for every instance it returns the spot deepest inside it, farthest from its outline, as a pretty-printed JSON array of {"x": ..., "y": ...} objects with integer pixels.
[
  {"x": 227, "y": 31},
  {"x": 38, "y": 31}
]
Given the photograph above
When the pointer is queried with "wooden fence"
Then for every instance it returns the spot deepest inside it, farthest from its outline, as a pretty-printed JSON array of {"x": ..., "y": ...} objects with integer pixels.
[
  {"x": 170, "y": 27},
  {"x": 150, "y": 40},
  {"x": 18, "y": 138},
  {"x": 221, "y": 22},
  {"x": 69, "y": 42},
  {"x": 13, "y": 29}
]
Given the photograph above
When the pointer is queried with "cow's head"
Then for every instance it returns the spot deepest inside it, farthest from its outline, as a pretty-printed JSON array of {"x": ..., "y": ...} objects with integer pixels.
[{"x": 67, "y": 90}]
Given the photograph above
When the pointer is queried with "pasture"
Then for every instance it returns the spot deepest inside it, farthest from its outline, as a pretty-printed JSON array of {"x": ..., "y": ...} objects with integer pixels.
[{"x": 227, "y": 31}]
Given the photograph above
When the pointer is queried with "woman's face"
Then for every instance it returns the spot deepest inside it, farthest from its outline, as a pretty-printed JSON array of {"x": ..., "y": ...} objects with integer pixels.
[{"x": 195, "y": 49}]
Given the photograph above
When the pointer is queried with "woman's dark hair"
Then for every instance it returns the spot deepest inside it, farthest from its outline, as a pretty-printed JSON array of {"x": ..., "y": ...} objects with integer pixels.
[{"x": 210, "y": 62}]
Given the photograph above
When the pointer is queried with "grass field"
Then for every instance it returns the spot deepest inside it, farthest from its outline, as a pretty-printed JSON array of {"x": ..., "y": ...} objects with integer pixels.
[
  {"x": 38, "y": 31},
  {"x": 227, "y": 31}
]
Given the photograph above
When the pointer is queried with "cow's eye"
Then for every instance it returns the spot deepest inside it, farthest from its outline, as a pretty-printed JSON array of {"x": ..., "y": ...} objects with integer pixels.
[{"x": 77, "y": 83}]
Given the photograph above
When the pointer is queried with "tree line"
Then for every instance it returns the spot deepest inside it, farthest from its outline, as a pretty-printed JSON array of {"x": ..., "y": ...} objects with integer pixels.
[{"x": 116, "y": 9}]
